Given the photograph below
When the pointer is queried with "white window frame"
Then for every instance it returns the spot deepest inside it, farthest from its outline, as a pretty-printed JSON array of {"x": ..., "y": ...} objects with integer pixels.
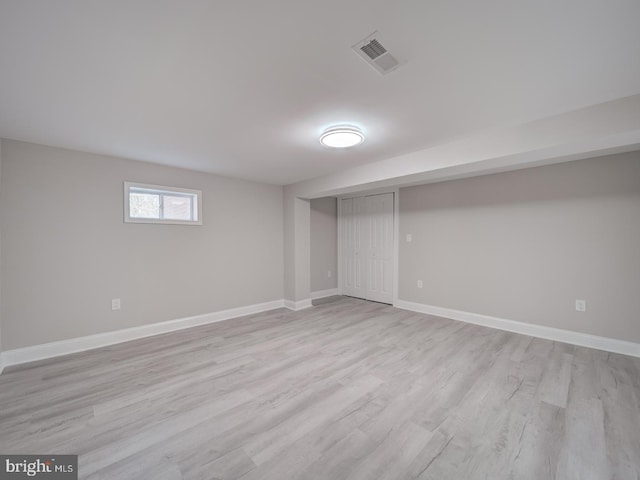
[{"x": 162, "y": 189}]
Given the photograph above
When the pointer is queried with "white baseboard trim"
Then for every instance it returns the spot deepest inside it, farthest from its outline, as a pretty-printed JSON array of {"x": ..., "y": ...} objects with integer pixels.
[
  {"x": 541, "y": 331},
  {"x": 324, "y": 293},
  {"x": 299, "y": 305},
  {"x": 1, "y": 363},
  {"x": 74, "y": 345}
]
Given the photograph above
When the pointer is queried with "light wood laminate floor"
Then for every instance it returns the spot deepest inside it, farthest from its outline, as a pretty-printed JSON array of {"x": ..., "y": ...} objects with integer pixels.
[{"x": 347, "y": 389}]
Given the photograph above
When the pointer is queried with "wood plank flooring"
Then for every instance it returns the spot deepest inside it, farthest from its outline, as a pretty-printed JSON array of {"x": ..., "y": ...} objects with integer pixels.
[{"x": 347, "y": 389}]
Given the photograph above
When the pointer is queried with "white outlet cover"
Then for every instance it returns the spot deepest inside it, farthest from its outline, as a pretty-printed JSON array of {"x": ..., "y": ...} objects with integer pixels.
[
  {"x": 419, "y": 283},
  {"x": 409, "y": 238},
  {"x": 115, "y": 304},
  {"x": 581, "y": 305}
]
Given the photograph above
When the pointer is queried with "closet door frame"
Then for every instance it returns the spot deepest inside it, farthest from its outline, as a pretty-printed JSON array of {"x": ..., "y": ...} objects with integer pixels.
[{"x": 396, "y": 235}]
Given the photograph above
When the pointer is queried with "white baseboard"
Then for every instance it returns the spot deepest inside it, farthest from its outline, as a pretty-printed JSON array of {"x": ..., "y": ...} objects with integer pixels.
[
  {"x": 299, "y": 305},
  {"x": 324, "y": 293},
  {"x": 1, "y": 363},
  {"x": 549, "y": 333},
  {"x": 74, "y": 345},
  {"x": 65, "y": 347}
]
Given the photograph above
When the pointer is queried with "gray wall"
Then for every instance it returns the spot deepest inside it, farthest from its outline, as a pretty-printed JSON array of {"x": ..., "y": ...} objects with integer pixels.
[
  {"x": 296, "y": 244},
  {"x": 1, "y": 363},
  {"x": 67, "y": 251},
  {"x": 324, "y": 243},
  {"x": 525, "y": 245}
]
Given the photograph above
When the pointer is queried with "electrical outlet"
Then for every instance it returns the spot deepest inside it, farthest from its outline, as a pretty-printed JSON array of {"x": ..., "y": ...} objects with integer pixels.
[
  {"x": 329, "y": 274},
  {"x": 581, "y": 305},
  {"x": 419, "y": 283},
  {"x": 115, "y": 304},
  {"x": 409, "y": 238}
]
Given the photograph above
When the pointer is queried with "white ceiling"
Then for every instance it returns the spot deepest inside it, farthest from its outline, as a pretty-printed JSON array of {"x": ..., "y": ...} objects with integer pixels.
[{"x": 244, "y": 88}]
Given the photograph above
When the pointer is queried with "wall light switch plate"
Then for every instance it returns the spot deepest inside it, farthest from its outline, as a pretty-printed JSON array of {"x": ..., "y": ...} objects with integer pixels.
[
  {"x": 419, "y": 283},
  {"x": 581, "y": 305},
  {"x": 409, "y": 238}
]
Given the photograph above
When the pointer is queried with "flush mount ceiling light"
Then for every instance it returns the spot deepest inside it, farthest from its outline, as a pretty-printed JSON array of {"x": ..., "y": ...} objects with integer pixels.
[{"x": 341, "y": 137}]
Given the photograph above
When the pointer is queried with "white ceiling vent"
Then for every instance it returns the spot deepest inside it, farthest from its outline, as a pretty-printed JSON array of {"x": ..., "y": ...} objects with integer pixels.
[{"x": 375, "y": 54}]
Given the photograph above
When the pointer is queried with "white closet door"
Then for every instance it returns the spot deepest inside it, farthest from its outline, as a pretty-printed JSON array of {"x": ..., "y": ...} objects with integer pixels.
[
  {"x": 379, "y": 285},
  {"x": 354, "y": 221},
  {"x": 367, "y": 247}
]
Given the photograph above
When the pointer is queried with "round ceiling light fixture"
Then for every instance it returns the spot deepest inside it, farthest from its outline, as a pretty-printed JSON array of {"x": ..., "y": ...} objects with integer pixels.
[{"x": 342, "y": 137}]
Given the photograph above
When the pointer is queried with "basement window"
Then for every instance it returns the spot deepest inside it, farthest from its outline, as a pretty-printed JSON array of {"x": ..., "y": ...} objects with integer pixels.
[{"x": 157, "y": 204}]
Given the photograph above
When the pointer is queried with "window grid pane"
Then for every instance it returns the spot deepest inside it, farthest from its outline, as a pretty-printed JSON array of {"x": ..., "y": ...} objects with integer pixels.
[
  {"x": 144, "y": 205},
  {"x": 176, "y": 207}
]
